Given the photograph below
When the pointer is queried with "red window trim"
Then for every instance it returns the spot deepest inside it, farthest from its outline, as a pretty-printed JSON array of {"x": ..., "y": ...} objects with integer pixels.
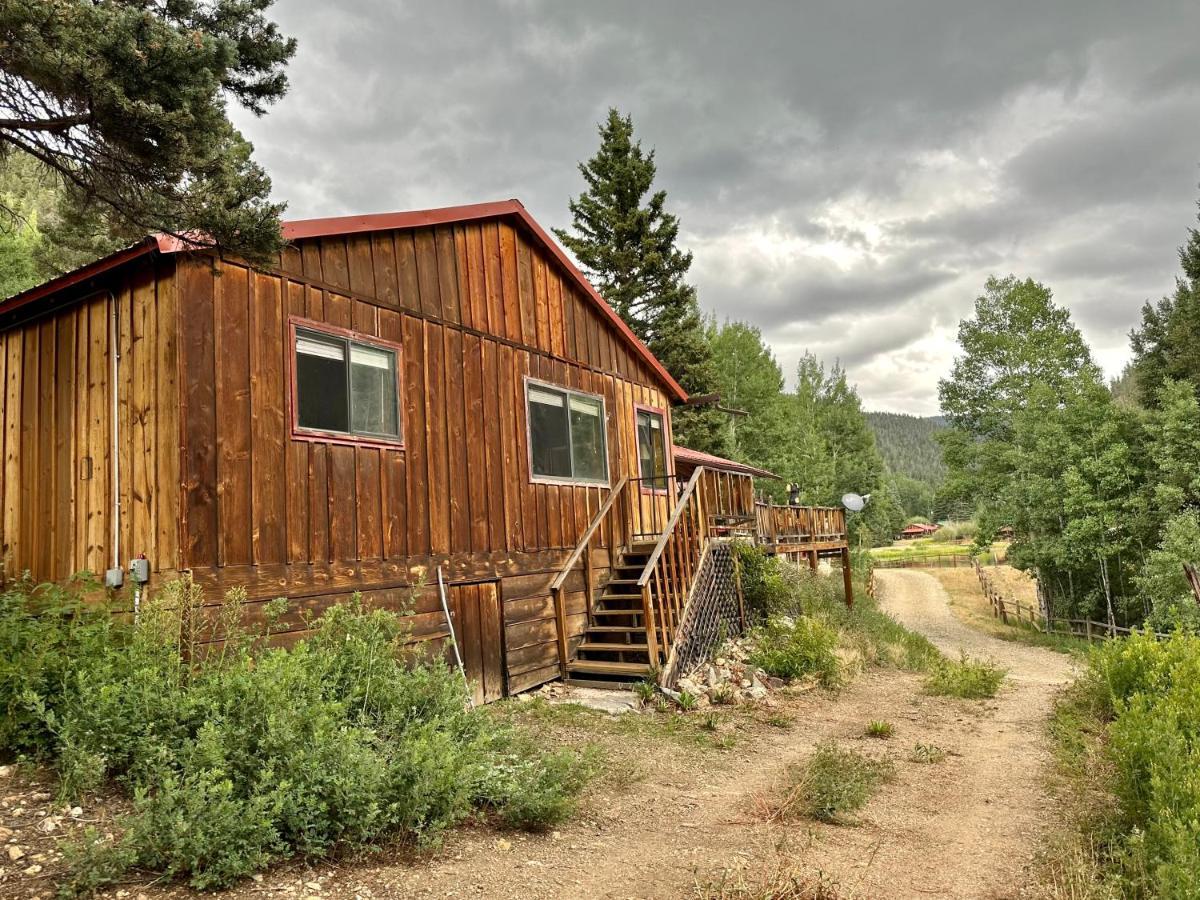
[
  {"x": 337, "y": 437},
  {"x": 668, "y": 462},
  {"x": 566, "y": 482}
]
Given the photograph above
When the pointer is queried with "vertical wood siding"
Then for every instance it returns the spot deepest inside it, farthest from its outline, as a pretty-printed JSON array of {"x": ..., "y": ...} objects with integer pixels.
[{"x": 56, "y": 427}]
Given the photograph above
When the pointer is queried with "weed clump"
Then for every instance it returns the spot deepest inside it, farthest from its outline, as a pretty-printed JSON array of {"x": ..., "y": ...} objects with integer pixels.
[
  {"x": 970, "y": 679},
  {"x": 239, "y": 756},
  {"x": 927, "y": 753},
  {"x": 835, "y": 781},
  {"x": 880, "y": 729},
  {"x": 801, "y": 648}
]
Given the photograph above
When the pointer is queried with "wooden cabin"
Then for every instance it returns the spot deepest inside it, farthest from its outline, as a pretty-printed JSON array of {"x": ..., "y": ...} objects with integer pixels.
[{"x": 396, "y": 401}]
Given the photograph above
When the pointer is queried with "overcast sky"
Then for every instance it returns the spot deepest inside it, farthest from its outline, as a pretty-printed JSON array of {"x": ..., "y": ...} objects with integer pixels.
[{"x": 847, "y": 174}]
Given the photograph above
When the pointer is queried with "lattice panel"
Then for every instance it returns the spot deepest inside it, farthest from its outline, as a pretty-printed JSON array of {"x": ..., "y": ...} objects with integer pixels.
[{"x": 712, "y": 616}]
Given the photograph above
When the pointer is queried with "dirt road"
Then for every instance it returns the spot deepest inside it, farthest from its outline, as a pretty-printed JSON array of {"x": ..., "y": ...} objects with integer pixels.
[
  {"x": 964, "y": 827},
  {"x": 960, "y": 828}
]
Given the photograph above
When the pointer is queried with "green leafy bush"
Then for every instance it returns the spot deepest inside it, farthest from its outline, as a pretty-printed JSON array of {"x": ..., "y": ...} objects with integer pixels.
[
  {"x": 798, "y": 648},
  {"x": 1150, "y": 693},
  {"x": 971, "y": 679},
  {"x": 246, "y": 754}
]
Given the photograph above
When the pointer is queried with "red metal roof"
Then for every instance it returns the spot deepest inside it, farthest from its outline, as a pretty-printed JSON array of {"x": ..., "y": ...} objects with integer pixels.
[
  {"x": 710, "y": 461},
  {"x": 311, "y": 228},
  {"x": 157, "y": 243}
]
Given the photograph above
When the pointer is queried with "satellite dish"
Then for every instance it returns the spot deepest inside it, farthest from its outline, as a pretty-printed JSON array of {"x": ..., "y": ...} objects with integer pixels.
[{"x": 855, "y": 502}]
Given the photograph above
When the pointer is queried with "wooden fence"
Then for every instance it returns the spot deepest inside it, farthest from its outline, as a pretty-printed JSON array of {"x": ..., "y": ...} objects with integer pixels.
[
  {"x": 935, "y": 561},
  {"x": 1011, "y": 610}
]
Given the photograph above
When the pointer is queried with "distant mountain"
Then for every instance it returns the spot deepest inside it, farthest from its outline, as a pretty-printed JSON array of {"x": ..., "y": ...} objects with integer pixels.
[{"x": 908, "y": 446}]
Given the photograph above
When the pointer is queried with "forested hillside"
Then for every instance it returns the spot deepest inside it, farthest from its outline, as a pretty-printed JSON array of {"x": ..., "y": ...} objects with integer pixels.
[{"x": 908, "y": 444}]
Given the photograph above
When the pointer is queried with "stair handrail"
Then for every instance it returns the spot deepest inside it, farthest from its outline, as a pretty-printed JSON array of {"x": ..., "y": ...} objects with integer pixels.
[
  {"x": 556, "y": 586},
  {"x": 669, "y": 529},
  {"x": 587, "y": 534}
]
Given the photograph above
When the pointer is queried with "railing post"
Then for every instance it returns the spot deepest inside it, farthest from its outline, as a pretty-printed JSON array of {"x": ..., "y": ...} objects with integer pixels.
[
  {"x": 589, "y": 577},
  {"x": 648, "y": 621},
  {"x": 560, "y": 614},
  {"x": 847, "y": 578}
]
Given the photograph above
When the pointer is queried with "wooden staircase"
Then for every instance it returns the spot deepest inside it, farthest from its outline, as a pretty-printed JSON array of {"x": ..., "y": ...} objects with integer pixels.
[{"x": 615, "y": 651}]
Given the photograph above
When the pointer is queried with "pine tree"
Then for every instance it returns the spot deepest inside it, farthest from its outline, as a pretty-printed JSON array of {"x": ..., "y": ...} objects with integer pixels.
[
  {"x": 127, "y": 103},
  {"x": 625, "y": 241},
  {"x": 1167, "y": 345}
]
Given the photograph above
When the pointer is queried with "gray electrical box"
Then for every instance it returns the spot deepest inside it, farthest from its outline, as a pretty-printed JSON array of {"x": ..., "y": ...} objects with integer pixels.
[
  {"x": 114, "y": 578},
  {"x": 139, "y": 570}
]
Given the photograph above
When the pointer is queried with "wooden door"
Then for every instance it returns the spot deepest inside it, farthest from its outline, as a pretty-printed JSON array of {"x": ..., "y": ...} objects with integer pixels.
[{"x": 475, "y": 611}]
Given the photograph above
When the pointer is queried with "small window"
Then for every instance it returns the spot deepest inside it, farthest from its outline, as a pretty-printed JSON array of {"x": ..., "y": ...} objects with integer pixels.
[
  {"x": 566, "y": 435},
  {"x": 346, "y": 387},
  {"x": 652, "y": 449}
]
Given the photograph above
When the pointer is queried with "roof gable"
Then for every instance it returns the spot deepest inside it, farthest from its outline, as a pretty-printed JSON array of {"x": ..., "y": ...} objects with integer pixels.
[{"x": 301, "y": 229}]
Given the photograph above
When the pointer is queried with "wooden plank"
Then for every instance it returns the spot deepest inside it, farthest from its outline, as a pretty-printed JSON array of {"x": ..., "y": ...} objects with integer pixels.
[
  {"x": 361, "y": 270},
  {"x": 99, "y": 515},
  {"x": 44, "y": 490},
  {"x": 383, "y": 259},
  {"x": 169, "y": 436},
  {"x": 510, "y": 289},
  {"x": 462, "y": 270},
  {"x": 11, "y": 548},
  {"x": 342, "y": 500},
  {"x": 555, "y": 303},
  {"x": 368, "y": 487},
  {"x": 82, "y": 449},
  {"x": 528, "y": 302},
  {"x": 541, "y": 302},
  {"x": 457, "y": 485},
  {"x": 437, "y": 485},
  {"x": 427, "y": 272},
  {"x": 406, "y": 270},
  {"x": 310, "y": 259},
  {"x": 492, "y": 443},
  {"x": 299, "y": 541},
  {"x": 31, "y": 425},
  {"x": 493, "y": 279},
  {"x": 233, "y": 416},
  {"x": 318, "y": 503},
  {"x": 476, "y": 280},
  {"x": 416, "y": 436},
  {"x": 491, "y": 637},
  {"x": 393, "y": 485},
  {"x": 65, "y": 480},
  {"x": 531, "y": 679},
  {"x": 467, "y": 630},
  {"x": 515, "y": 466},
  {"x": 269, "y": 428},
  {"x": 447, "y": 269},
  {"x": 475, "y": 438},
  {"x": 528, "y": 495},
  {"x": 334, "y": 262}
]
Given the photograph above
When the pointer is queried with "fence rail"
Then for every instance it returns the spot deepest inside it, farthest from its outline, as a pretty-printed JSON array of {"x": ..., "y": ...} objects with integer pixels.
[
  {"x": 935, "y": 561},
  {"x": 1010, "y": 609}
]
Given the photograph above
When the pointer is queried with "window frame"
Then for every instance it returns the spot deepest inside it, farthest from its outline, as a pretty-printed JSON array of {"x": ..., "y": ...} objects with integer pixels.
[
  {"x": 567, "y": 480},
  {"x": 347, "y": 438},
  {"x": 668, "y": 443}
]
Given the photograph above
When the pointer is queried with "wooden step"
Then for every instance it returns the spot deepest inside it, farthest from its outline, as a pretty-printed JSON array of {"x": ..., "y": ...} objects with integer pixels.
[
  {"x": 607, "y": 596},
  {"x": 616, "y": 612},
  {"x": 633, "y": 629},
  {"x": 613, "y": 648},
  {"x": 601, "y": 667}
]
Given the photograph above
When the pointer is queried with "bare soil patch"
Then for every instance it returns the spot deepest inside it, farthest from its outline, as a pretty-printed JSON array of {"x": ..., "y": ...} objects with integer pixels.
[{"x": 679, "y": 806}]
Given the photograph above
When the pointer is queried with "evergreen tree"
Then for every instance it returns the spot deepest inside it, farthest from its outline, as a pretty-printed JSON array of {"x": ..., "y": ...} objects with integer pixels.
[
  {"x": 625, "y": 241},
  {"x": 1167, "y": 345},
  {"x": 749, "y": 379},
  {"x": 126, "y": 102}
]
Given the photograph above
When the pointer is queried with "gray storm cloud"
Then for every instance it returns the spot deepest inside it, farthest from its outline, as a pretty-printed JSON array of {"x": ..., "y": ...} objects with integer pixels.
[{"x": 846, "y": 174}]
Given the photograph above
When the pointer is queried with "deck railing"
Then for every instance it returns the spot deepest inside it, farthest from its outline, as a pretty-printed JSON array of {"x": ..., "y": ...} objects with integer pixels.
[
  {"x": 666, "y": 579},
  {"x": 798, "y": 524}
]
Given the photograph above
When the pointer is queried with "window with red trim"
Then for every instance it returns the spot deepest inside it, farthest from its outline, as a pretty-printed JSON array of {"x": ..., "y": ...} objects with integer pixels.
[
  {"x": 346, "y": 387},
  {"x": 652, "y": 448}
]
